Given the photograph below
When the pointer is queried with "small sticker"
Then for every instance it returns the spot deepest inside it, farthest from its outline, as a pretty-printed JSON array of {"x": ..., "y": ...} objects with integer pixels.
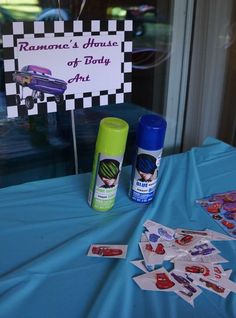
[
  {"x": 157, "y": 280},
  {"x": 110, "y": 251}
]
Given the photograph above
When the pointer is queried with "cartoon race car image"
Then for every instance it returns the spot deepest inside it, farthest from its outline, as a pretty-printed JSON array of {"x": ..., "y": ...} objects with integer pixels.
[
  {"x": 214, "y": 207},
  {"x": 180, "y": 279},
  {"x": 159, "y": 249},
  {"x": 202, "y": 249},
  {"x": 163, "y": 281},
  {"x": 165, "y": 234},
  {"x": 184, "y": 240},
  {"x": 228, "y": 224},
  {"x": 213, "y": 286},
  {"x": 40, "y": 81},
  {"x": 198, "y": 270},
  {"x": 106, "y": 251}
]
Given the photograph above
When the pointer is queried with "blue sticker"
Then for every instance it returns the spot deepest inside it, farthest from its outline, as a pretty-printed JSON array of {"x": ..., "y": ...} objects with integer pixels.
[
  {"x": 153, "y": 237},
  {"x": 165, "y": 234}
]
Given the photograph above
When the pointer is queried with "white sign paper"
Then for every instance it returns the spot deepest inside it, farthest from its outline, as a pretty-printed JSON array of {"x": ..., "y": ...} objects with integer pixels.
[{"x": 66, "y": 65}]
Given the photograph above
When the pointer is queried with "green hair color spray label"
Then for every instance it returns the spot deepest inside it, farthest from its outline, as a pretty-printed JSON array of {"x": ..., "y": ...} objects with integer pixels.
[
  {"x": 102, "y": 194},
  {"x": 108, "y": 158}
]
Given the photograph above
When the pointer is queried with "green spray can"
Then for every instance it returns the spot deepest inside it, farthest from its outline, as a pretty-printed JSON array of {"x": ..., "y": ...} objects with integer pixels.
[{"x": 108, "y": 159}]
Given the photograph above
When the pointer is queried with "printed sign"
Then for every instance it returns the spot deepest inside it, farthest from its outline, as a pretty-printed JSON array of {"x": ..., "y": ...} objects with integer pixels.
[{"x": 66, "y": 65}]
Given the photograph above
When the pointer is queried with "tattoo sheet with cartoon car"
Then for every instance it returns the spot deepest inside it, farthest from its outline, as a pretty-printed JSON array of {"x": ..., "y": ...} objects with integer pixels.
[
  {"x": 212, "y": 286},
  {"x": 186, "y": 241},
  {"x": 157, "y": 280},
  {"x": 109, "y": 251},
  {"x": 213, "y": 259},
  {"x": 203, "y": 249},
  {"x": 161, "y": 239},
  {"x": 189, "y": 291},
  {"x": 152, "y": 257},
  {"x": 207, "y": 234},
  {"x": 203, "y": 269},
  {"x": 162, "y": 246},
  {"x": 158, "y": 231},
  {"x": 222, "y": 209}
]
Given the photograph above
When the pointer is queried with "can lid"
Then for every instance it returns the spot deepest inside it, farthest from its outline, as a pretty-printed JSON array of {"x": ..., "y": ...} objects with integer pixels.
[
  {"x": 112, "y": 136},
  {"x": 151, "y": 132}
]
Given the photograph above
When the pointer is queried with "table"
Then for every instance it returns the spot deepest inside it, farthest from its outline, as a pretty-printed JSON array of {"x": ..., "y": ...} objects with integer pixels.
[{"x": 46, "y": 228}]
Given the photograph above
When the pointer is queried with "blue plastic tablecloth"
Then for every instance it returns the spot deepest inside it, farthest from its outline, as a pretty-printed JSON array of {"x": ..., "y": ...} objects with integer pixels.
[{"x": 46, "y": 228}]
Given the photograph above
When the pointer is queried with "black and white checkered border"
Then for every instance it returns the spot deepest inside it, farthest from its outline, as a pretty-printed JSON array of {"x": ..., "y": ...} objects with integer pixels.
[{"x": 40, "y": 29}]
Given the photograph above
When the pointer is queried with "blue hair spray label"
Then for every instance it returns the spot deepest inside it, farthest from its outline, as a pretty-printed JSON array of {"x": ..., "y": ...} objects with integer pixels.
[
  {"x": 150, "y": 139},
  {"x": 145, "y": 173}
]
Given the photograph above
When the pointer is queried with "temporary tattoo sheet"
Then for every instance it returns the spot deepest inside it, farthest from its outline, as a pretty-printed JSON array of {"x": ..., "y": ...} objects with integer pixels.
[
  {"x": 158, "y": 280},
  {"x": 159, "y": 231},
  {"x": 203, "y": 269},
  {"x": 221, "y": 207},
  {"x": 189, "y": 291},
  {"x": 152, "y": 257},
  {"x": 213, "y": 286},
  {"x": 110, "y": 251},
  {"x": 186, "y": 242},
  {"x": 203, "y": 248},
  {"x": 213, "y": 259}
]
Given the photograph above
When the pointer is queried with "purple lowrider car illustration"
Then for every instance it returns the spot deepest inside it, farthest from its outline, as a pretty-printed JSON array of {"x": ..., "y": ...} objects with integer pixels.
[{"x": 40, "y": 80}]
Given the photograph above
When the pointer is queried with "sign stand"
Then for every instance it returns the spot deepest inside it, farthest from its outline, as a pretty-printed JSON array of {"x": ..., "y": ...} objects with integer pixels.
[
  {"x": 72, "y": 111},
  {"x": 74, "y": 141}
]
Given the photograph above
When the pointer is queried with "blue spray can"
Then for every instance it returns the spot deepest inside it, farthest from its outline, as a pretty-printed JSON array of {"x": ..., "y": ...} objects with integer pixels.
[{"x": 150, "y": 137}]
